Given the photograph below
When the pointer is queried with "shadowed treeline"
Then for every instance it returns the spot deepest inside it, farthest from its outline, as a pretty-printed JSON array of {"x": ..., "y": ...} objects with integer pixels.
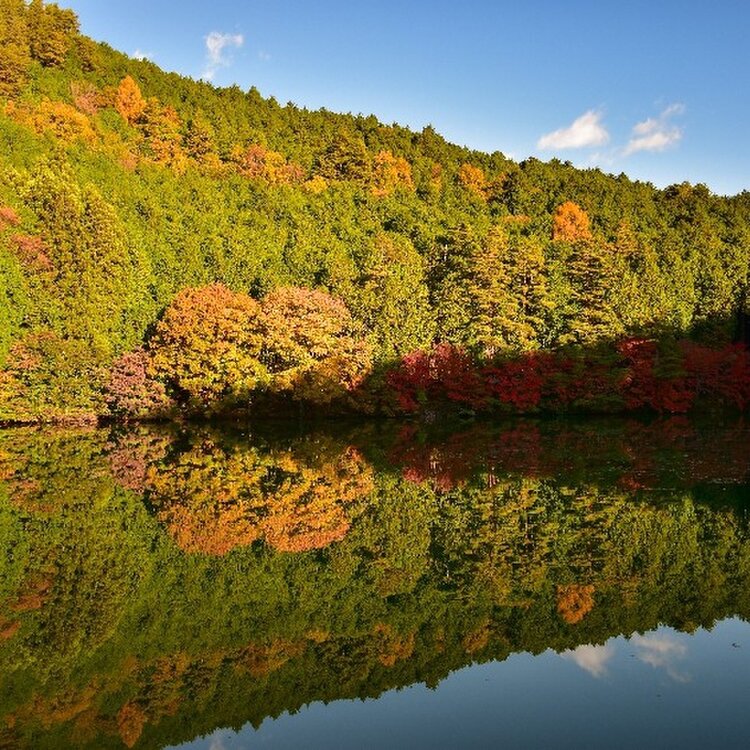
[{"x": 158, "y": 583}]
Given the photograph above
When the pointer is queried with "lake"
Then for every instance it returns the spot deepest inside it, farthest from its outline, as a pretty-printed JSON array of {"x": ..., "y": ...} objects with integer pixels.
[{"x": 535, "y": 583}]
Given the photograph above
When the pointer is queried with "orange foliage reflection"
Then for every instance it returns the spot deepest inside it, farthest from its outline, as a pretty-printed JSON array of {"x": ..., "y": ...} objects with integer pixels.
[
  {"x": 213, "y": 499},
  {"x": 574, "y": 602}
]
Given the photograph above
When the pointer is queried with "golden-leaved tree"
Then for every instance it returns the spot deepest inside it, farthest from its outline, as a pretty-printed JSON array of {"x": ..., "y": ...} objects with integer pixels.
[
  {"x": 207, "y": 346},
  {"x": 315, "y": 350}
]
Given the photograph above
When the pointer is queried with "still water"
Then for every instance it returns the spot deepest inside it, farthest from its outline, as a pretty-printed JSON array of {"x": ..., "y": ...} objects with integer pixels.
[{"x": 530, "y": 584}]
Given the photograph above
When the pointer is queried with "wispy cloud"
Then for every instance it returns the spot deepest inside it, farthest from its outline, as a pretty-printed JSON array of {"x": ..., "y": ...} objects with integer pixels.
[
  {"x": 592, "y": 659},
  {"x": 586, "y": 130},
  {"x": 662, "y": 651},
  {"x": 217, "y": 47},
  {"x": 263, "y": 55},
  {"x": 656, "y": 133},
  {"x": 139, "y": 54}
]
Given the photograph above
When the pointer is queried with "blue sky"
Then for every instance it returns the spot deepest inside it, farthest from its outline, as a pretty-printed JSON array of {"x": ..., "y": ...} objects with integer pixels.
[{"x": 658, "y": 90}]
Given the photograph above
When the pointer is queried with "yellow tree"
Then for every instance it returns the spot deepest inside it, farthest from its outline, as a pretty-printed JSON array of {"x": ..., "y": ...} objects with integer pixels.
[
  {"x": 51, "y": 32},
  {"x": 314, "y": 348},
  {"x": 162, "y": 128},
  {"x": 14, "y": 47},
  {"x": 570, "y": 223},
  {"x": 390, "y": 173},
  {"x": 207, "y": 346},
  {"x": 129, "y": 101},
  {"x": 472, "y": 178}
]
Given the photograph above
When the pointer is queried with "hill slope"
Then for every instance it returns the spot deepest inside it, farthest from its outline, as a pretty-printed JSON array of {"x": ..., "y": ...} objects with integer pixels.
[{"x": 121, "y": 185}]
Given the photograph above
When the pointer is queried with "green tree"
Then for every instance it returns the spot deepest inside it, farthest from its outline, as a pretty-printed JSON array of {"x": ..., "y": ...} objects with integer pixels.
[
  {"x": 508, "y": 288},
  {"x": 345, "y": 158},
  {"x": 392, "y": 297},
  {"x": 93, "y": 277}
]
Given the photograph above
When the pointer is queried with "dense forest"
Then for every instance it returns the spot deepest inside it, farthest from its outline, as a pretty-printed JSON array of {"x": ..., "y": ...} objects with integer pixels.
[
  {"x": 171, "y": 247},
  {"x": 216, "y": 580}
]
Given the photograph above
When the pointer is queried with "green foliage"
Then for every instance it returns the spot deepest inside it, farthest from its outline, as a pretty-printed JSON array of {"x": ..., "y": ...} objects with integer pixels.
[
  {"x": 49, "y": 378},
  {"x": 392, "y": 298},
  {"x": 508, "y": 289},
  {"x": 132, "y": 184}
]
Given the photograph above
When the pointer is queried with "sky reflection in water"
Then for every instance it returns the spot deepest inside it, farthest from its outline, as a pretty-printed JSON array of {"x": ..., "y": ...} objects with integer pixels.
[{"x": 658, "y": 689}]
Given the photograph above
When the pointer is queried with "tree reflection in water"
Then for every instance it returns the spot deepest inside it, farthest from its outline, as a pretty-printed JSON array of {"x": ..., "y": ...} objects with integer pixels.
[{"x": 160, "y": 582}]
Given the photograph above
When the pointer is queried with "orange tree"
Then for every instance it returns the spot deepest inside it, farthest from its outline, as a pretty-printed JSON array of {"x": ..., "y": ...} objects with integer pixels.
[{"x": 207, "y": 346}]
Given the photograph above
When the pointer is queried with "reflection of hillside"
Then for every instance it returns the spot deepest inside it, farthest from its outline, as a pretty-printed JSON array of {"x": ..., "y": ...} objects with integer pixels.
[
  {"x": 628, "y": 453},
  {"x": 214, "y": 497},
  {"x": 518, "y": 539}
]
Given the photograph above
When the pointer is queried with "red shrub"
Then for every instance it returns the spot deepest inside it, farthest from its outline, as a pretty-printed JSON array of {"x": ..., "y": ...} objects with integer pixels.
[
  {"x": 518, "y": 383},
  {"x": 31, "y": 251},
  {"x": 446, "y": 373},
  {"x": 636, "y": 374},
  {"x": 8, "y": 217}
]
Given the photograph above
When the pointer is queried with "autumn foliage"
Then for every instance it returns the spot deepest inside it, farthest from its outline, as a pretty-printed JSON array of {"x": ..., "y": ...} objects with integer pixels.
[
  {"x": 636, "y": 374},
  {"x": 570, "y": 223},
  {"x": 574, "y": 602},
  {"x": 473, "y": 179},
  {"x": 213, "y": 501},
  {"x": 315, "y": 350},
  {"x": 208, "y": 343},
  {"x": 331, "y": 260},
  {"x": 8, "y": 217},
  {"x": 132, "y": 392},
  {"x": 257, "y": 162},
  {"x": 390, "y": 173},
  {"x": 129, "y": 101}
]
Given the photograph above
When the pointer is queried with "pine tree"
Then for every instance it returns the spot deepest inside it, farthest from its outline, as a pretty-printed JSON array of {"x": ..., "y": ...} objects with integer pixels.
[
  {"x": 509, "y": 292},
  {"x": 92, "y": 274},
  {"x": 392, "y": 297},
  {"x": 345, "y": 158},
  {"x": 592, "y": 280},
  {"x": 200, "y": 140},
  {"x": 449, "y": 279},
  {"x": 496, "y": 315}
]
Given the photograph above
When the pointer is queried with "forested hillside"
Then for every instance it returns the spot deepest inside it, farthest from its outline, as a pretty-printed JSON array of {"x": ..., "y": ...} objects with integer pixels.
[{"x": 168, "y": 245}]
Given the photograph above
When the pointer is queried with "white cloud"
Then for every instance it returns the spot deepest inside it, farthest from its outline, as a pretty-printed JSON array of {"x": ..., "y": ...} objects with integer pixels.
[
  {"x": 656, "y": 133},
  {"x": 587, "y": 130},
  {"x": 141, "y": 55},
  {"x": 661, "y": 651},
  {"x": 264, "y": 56},
  {"x": 592, "y": 659},
  {"x": 216, "y": 57}
]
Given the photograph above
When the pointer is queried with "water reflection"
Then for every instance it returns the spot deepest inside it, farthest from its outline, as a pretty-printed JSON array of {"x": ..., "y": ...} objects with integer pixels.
[
  {"x": 662, "y": 652},
  {"x": 160, "y": 582},
  {"x": 592, "y": 659}
]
